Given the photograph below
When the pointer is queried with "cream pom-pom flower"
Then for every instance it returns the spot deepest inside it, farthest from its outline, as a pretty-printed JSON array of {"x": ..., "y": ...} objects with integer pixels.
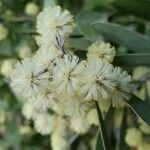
[
  {"x": 24, "y": 51},
  {"x": 31, "y": 9},
  {"x": 60, "y": 125},
  {"x": 58, "y": 142},
  {"x": 144, "y": 127},
  {"x": 45, "y": 57},
  {"x": 3, "y": 32},
  {"x": 65, "y": 74},
  {"x": 92, "y": 117},
  {"x": 30, "y": 110},
  {"x": 28, "y": 78},
  {"x": 7, "y": 66},
  {"x": 143, "y": 146},
  {"x": 79, "y": 125},
  {"x": 123, "y": 87},
  {"x": 96, "y": 80},
  {"x": 74, "y": 106},
  {"x": 133, "y": 137},
  {"x": 44, "y": 123},
  {"x": 101, "y": 50},
  {"x": 44, "y": 99},
  {"x": 54, "y": 21}
]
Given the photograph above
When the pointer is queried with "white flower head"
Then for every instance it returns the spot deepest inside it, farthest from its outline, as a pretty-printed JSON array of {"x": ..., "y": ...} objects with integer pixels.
[
  {"x": 45, "y": 57},
  {"x": 79, "y": 125},
  {"x": 95, "y": 80},
  {"x": 92, "y": 117},
  {"x": 7, "y": 66},
  {"x": 30, "y": 110},
  {"x": 53, "y": 21},
  {"x": 123, "y": 87},
  {"x": 44, "y": 99},
  {"x": 24, "y": 51},
  {"x": 58, "y": 142},
  {"x": 75, "y": 106},
  {"x": 133, "y": 137},
  {"x": 101, "y": 50},
  {"x": 44, "y": 123},
  {"x": 28, "y": 78},
  {"x": 65, "y": 74}
]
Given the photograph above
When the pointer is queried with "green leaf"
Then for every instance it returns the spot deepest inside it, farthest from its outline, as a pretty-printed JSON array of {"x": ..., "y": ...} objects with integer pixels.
[
  {"x": 141, "y": 108},
  {"x": 132, "y": 60},
  {"x": 84, "y": 21},
  {"x": 91, "y": 4},
  {"x": 138, "y": 7},
  {"x": 120, "y": 35},
  {"x": 121, "y": 144},
  {"x": 108, "y": 119},
  {"x": 103, "y": 133},
  {"x": 98, "y": 143}
]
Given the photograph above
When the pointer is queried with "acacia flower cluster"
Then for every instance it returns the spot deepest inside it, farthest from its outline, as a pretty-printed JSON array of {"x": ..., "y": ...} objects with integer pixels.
[
  {"x": 68, "y": 86},
  {"x": 137, "y": 137}
]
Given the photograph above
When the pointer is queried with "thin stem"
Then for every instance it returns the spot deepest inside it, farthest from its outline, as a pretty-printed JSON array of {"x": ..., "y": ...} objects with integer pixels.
[{"x": 103, "y": 133}]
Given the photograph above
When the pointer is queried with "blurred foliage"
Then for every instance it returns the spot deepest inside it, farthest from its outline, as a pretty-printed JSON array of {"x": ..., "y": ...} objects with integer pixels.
[{"x": 132, "y": 15}]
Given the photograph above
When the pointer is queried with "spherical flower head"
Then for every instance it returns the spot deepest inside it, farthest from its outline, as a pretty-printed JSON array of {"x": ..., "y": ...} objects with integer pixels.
[
  {"x": 30, "y": 110},
  {"x": 123, "y": 87},
  {"x": 60, "y": 125},
  {"x": 65, "y": 74},
  {"x": 74, "y": 106},
  {"x": 140, "y": 71},
  {"x": 143, "y": 146},
  {"x": 101, "y": 50},
  {"x": 25, "y": 129},
  {"x": 92, "y": 117},
  {"x": 3, "y": 32},
  {"x": 28, "y": 78},
  {"x": 58, "y": 142},
  {"x": 46, "y": 57},
  {"x": 43, "y": 123},
  {"x": 31, "y": 9},
  {"x": 133, "y": 137},
  {"x": 144, "y": 127},
  {"x": 44, "y": 42},
  {"x": 95, "y": 80},
  {"x": 79, "y": 125},
  {"x": 24, "y": 51},
  {"x": 7, "y": 67},
  {"x": 44, "y": 99},
  {"x": 53, "y": 21}
]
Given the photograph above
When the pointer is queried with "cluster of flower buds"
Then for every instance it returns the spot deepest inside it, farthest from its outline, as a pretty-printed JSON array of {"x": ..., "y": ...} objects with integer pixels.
[{"x": 57, "y": 80}]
